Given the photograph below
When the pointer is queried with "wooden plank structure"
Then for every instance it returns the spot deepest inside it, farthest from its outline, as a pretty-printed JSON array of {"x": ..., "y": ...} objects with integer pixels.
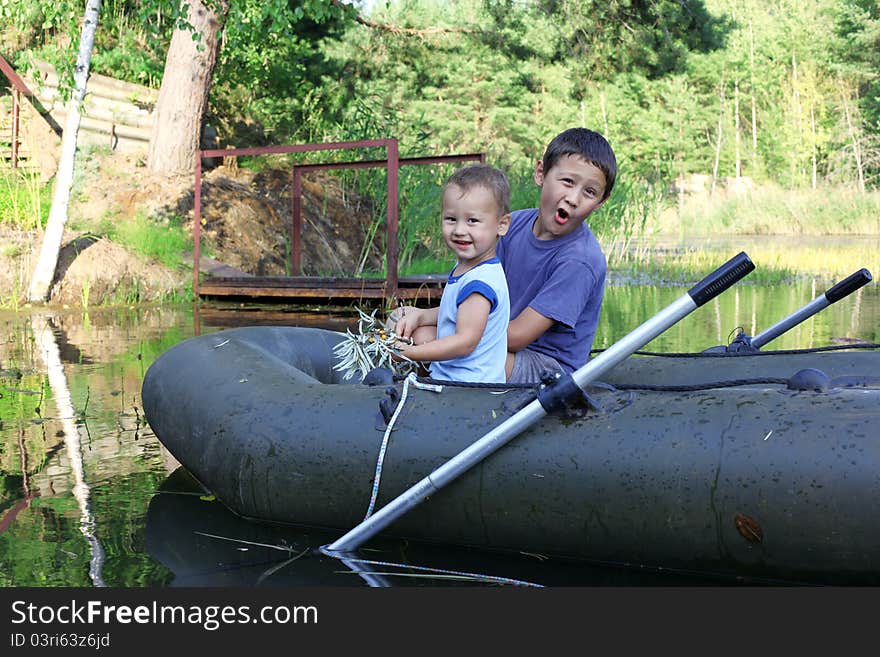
[
  {"x": 321, "y": 289},
  {"x": 21, "y": 90}
]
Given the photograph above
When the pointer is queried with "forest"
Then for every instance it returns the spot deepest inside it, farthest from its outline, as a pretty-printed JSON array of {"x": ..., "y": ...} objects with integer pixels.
[{"x": 776, "y": 103}]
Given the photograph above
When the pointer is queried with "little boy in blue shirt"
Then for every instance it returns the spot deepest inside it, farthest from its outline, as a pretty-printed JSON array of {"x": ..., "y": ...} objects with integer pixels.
[
  {"x": 465, "y": 338},
  {"x": 554, "y": 265}
]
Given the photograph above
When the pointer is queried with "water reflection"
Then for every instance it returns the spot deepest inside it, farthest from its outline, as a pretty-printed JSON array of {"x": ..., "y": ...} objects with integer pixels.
[
  {"x": 47, "y": 348},
  {"x": 88, "y": 496},
  {"x": 204, "y": 544}
]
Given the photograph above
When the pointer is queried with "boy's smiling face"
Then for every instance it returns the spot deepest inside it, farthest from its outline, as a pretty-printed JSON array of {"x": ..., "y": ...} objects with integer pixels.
[
  {"x": 472, "y": 222},
  {"x": 570, "y": 191}
]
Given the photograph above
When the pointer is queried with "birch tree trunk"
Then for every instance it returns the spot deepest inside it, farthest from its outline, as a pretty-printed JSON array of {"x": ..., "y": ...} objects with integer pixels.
[
  {"x": 854, "y": 139},
  {"x": 44, "y": 272},
  {"x": 736, "y": 129},
  {"x": 797, "y": 130},
  {"x": 718, "y": 136},
  {"x": 814, "y": 139},
  {"x": 754, "y": 113},
  {"x": 186, "y": 83}
]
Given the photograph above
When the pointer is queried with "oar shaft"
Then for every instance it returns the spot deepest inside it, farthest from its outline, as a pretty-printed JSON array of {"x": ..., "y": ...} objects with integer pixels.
[
  {"x": 449, "y": 471},
  {"x": 709, "y": 287},
  {"x": 634, "y": 340},
  {"x": 509, "y": 429},
  {"x": 790, "y": 322},
  {"x": 845, "y": 287}
]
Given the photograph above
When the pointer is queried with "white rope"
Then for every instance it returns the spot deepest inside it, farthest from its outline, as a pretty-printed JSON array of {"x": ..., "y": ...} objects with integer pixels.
[
  {"x": 409, "y": 380},
  {"x": 384, "y": 446}
]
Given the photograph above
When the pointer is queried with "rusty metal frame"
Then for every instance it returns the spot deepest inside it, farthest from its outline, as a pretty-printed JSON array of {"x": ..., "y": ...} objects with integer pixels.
[
  {"x": 16, "y": 111},
  {"x": 299, "y": 169},
  {"x": 392, "y": 163},
  {"x": 19, "y": 89}
]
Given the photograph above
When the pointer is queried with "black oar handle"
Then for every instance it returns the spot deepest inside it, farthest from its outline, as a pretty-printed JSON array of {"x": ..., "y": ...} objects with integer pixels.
[
  {"x": 721, "y": 279},
  {"x": 848, "y": 285}
]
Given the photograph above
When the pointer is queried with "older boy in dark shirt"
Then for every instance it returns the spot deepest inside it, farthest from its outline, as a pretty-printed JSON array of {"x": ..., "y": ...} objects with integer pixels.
[{"x": 554, "y": 265}]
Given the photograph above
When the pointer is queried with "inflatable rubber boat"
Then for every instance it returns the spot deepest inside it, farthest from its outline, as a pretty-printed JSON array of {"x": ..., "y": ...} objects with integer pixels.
[{"x": 758, "y": 465}]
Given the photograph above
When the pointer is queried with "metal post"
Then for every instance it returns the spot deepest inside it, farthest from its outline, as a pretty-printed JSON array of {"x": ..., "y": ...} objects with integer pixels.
[
  {"x": 296, "y": 224},
  {"x": 391, "y": 276},
  {"x": 16, "y": 110},
  {"x": 197, "y": 225}
]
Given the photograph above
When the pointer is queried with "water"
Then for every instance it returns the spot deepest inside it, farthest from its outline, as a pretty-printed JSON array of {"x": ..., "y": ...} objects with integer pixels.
[{"x": 89, "y": 497}]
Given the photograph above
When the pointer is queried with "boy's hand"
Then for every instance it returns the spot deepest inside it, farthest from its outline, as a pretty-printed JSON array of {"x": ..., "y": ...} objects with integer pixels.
[
  {"x": 410, "y": 319},
  {"x": 401, "y": 346}
]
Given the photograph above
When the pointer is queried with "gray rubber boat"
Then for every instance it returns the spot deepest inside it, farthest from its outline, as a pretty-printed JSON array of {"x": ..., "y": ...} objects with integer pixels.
[{"x": 764, "y": 465}]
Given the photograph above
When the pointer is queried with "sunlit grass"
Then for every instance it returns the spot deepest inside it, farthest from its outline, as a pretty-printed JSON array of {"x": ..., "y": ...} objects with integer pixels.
[
  {"x": 24, "y": 200},
  {"x": 776, "y": 261},
  {"x": 770, "y": 210},
  {"x": 160, "y": 241}
]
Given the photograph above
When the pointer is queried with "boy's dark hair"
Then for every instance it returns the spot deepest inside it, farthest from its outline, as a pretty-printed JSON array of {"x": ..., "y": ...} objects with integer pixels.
[
  {"x": 483, "y": 175},
  {"x": 591, "y": 146}
]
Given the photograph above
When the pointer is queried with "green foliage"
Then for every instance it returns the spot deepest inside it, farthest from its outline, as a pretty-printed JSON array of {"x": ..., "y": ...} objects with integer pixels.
[
  {"x": 784, "y": 93},
  {"x": 24, "y": 200},
  {"x": 651, "y": 39},
  {"x": 271, "y": 66},
  {"x": 770, "y": 210},
  {"x": 162, "y": 241},
  {"x": 857, "y": 50}
]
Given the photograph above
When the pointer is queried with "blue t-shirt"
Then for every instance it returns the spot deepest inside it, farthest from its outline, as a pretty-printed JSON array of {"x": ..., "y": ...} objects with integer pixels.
[
  {"x": 485, "y": 364},
  {"x": 562, "y": 279}
]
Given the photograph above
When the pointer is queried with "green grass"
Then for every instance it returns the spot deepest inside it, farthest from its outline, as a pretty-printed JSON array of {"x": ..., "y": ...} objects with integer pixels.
[
  {"x": 160, "y": 241},
  {"x": 621, "y": 220},
  {"x": 428, "y": 265},
  {"x": 641, "y": 245},
  {"x": 770, "y": 210},
  {"x": 775, "y": 261},
  {"x": 24, "y": 200}
]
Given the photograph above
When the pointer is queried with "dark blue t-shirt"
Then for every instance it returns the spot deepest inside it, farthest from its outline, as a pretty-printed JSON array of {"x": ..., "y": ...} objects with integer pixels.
[{"x": 562, "y": 279}]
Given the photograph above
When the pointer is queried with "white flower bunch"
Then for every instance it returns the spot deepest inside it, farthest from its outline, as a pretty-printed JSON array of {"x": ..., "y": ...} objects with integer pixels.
[{"x": 372, "y": 346}]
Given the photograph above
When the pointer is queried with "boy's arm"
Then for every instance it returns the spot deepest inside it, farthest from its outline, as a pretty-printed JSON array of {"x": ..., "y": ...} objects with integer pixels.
[
  {"x": 527, "y": 327},
  {"x": 473, "y": 314},
  {"x": 564, "y": 294}
]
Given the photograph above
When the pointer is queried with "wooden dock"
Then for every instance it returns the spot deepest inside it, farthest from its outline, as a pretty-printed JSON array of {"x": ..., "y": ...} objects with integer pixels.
[
  {"x": 223, "y": 282},
  {"x": 418, "y": 290}
]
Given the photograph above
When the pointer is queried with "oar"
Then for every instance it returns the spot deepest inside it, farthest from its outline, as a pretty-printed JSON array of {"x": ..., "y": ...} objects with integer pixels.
[
  {"x": 845, "y": 287},
  {"x": 549, "y": 399}
]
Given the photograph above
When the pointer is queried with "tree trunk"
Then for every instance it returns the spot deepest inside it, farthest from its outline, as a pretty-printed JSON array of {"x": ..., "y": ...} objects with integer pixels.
[
  {"x": 186, "y": 83},
  {"x": 44, "y": 272},
  {"x": 813, "y": 139},
  {"x": 754, "y": 113},
  {"x": 604, "y": 115},
  {"x": 738, "y": 167},
  {"x": 718, "y": 136},
  {"x": 854, "y": 139},
  {"x": 796, "y": 118}
]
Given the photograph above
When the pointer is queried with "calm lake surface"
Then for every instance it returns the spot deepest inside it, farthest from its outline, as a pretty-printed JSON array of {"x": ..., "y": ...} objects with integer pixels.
[{"x": 89, "y": 497}]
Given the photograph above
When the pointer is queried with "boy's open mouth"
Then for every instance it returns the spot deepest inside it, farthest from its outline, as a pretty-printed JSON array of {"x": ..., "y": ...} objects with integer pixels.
[{"x": 561, "y": 216}]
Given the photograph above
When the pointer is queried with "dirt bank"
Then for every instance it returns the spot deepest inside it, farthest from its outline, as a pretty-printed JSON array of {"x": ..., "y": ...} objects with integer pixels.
[{"x": 245, "y": 217}]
